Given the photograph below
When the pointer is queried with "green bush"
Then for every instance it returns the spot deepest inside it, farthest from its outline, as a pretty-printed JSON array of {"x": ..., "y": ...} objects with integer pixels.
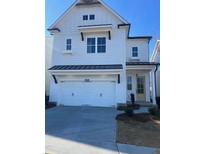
[
  {"x": 154, "y": 111},
  {"x": 129, "y": 112}
]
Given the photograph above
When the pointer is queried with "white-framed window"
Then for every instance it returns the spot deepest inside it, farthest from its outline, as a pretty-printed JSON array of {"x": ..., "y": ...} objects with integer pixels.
[
  {"x": 91, "y": 45},
  {"x": 92, "y": 17},
  {"x": 68, "y": 44},
  {"x": 134, "y": 51},
  {"x": 85, "y": 17},
  {"x": 101, "y": 45},
  {"x": 129, "y": 82},
  {"x": 96, "y": 44}
]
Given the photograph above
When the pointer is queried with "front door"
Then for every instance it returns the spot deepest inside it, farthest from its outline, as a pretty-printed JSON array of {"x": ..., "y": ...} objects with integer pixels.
[{"x": 141, "y": 94}]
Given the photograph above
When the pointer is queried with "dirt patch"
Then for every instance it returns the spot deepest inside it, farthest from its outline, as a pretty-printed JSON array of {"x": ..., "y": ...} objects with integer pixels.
[{"x": 140, "y": 129}]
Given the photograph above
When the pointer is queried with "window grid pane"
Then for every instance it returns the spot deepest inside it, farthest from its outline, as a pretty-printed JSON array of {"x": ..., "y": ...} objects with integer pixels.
[
  {"x": 90, "y": 45},
  {"x": 101, "y": 41},
  {"x": 135, "y": 51},
  {"x": 85, "y": 17},
  {"x": 92, "y": 17},
  {"x": 68, "y": 44}
]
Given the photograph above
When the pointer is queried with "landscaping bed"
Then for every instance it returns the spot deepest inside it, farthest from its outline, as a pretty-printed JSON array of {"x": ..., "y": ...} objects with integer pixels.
[
  {"x": 49, "y": 105},
  {"x": 142, "y": 129}
]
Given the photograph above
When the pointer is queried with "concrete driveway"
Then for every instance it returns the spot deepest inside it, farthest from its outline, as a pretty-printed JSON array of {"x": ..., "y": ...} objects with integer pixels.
[
  {"x": 80, "y": 130},
  {"x": 87, "y": 130}
]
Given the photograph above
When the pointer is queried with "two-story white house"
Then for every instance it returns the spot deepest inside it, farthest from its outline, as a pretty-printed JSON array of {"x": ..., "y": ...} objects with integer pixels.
[
  {"x": 95, "y": 61},
  {"x": 156, "y": 58}
]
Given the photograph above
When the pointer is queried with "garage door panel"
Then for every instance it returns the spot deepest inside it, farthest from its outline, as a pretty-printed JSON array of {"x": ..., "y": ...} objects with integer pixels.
[{"x": 87, "y": 93}]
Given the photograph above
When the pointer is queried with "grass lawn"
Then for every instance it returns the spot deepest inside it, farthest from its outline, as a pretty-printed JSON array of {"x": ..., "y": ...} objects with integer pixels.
[{"x": 140, "y": 129}]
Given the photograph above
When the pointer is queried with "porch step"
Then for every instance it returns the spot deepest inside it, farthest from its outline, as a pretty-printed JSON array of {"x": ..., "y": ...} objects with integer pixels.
[{"x": 143, "y": 103}]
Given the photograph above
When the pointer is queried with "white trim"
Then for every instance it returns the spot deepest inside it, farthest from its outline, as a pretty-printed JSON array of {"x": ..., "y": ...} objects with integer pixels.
[
  {"x": 85, "y": 72},
  {"x": 74, "y": 4},
  {"x": 136, "y": 58},
  {"x": 67, "y": 52},
  {"x": 96, "y": 44},
  {"x": 112, "y": 11},
  {"x": 96, "y": 28},
  {"x": 140, "y": 67}
]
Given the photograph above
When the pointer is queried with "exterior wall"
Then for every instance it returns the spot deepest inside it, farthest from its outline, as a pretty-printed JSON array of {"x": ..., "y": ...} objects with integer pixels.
[
  {"x": 48, "y": 55},
  {"x": 134, "y": 74},
  {"x": 143, "y": 49},
  {"x": 68, "y": 26},
  {"x": 118, "y": 49},
  {"x": 115, "y": 48}
]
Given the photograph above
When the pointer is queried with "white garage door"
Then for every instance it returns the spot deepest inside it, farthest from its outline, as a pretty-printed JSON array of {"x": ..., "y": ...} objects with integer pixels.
[{"x": 87, "y": 93}]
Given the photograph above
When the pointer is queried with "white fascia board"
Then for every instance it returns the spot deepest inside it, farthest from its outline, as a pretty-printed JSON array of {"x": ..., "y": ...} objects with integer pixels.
[
  {"x": 95, "y": 29},
  {"x": 64, "y": 14},
  {"x": 114, "y": 12},
  {"x": 60, "y": 72},
  {"x": 141, "y": 67}
]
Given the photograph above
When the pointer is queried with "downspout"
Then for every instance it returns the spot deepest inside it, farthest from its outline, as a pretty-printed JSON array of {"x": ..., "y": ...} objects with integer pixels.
[{"x": 155, "y": 80}]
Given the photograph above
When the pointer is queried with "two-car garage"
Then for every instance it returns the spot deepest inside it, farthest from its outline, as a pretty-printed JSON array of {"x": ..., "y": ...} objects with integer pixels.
[
  {"x": 96, "y": 93},
  {"x": 93, "y": 85}
]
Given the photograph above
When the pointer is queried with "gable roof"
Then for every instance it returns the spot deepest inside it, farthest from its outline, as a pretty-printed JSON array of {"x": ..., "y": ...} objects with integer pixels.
[{"x": 87, "y": 2}]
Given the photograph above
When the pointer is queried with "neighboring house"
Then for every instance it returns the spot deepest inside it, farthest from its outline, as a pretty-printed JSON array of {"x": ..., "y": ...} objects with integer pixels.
[
  {"x": 95, "y": 61},
  {"x": 156, "y": 58},
  {"x": 48, "y": 56}
]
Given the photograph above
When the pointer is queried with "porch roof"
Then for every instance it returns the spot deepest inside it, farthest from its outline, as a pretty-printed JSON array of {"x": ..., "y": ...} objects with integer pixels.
[
  {"x": 141, "y": 63},
  {"x": 86, "y": 67}
]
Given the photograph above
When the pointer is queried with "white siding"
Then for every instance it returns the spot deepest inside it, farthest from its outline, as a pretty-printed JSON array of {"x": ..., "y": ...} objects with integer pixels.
[
  {"x": 118, "y": 49},
  {"x": 115, "y": 52},
  {"x": 48, "y": 55},
  {"x": 143, "y": 49}
]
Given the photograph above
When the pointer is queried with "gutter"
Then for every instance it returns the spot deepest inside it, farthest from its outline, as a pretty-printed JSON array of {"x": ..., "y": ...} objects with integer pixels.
[{"x": 155, "y": 79}]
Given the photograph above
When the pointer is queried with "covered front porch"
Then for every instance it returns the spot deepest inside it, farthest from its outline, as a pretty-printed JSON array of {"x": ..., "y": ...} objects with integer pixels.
[{"x": 141, "y": 82}]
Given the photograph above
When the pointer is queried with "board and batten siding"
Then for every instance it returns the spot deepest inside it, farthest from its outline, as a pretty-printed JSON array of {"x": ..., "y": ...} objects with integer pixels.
[
  {"x": 143, "y": 49},
  {"x": 115, "y": 48}
]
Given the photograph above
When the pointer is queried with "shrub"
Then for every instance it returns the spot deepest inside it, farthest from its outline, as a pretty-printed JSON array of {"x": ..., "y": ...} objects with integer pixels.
[
  {"x": 129, "y": 111},
  {"x": 154, "y": 111}
]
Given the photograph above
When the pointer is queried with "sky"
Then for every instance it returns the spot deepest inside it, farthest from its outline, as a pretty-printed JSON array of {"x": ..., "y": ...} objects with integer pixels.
[{"x": 144, "y": 15}]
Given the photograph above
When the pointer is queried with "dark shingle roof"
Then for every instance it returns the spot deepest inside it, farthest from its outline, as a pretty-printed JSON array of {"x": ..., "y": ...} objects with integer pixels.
[
  {"x": 86, "y": 67},
  {"x": 141, "y": 63}
]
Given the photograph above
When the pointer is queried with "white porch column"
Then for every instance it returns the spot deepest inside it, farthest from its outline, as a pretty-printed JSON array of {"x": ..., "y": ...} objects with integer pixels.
[
  {"x": 153, "y": 87},
  {"x": 147, "y": 79}
]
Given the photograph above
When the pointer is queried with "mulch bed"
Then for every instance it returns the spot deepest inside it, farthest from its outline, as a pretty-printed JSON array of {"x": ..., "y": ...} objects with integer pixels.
[
  {"x": 141, "y": 117},
  {"x": 141, "y": 129}
]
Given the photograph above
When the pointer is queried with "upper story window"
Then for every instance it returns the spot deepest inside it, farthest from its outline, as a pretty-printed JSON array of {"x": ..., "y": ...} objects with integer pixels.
[
  {"x": 68, "y": 44},
  {"x": 135, "y": 52},
  {"x": 90, "y": 45},
  {"x": 96, "y": 44},
  {"x": 92, "y": 17},
  {"x": 85, "y": 17},
  {"x": 101, "y": 48},
  {"x": 129, "y": 82}
]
